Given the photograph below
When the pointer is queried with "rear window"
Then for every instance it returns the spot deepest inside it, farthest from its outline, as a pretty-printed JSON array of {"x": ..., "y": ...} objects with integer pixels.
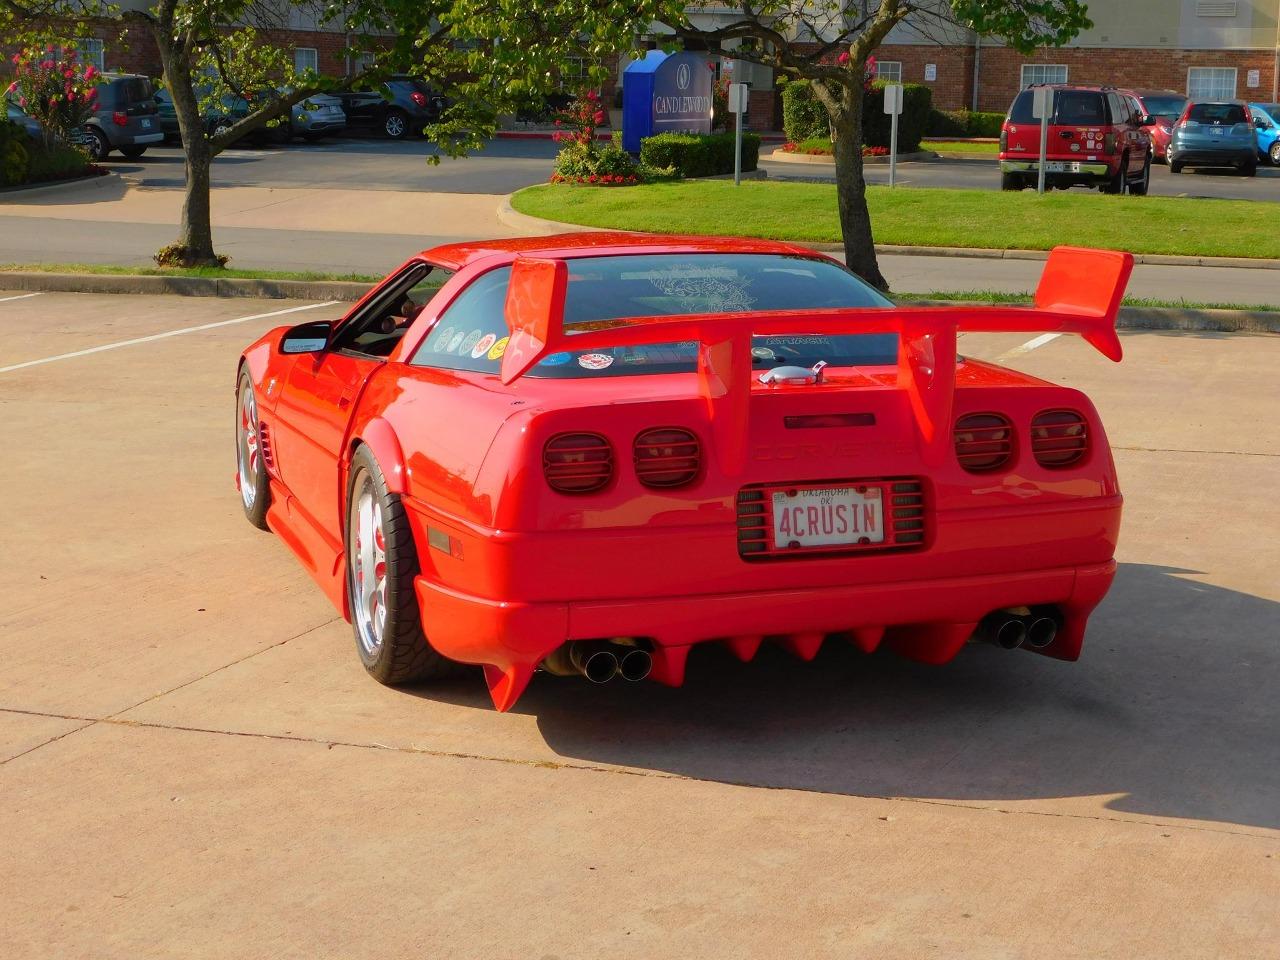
[
  {"x": 1220, "y": 113},
  {"x": 1168, "y": 107},
  {"x": 471, "y": 334},
  {"x": 1072, "y": 107}
]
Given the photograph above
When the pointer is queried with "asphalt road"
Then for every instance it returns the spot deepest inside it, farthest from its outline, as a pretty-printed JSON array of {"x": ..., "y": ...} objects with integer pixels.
[{"x": 193, "y": 763}]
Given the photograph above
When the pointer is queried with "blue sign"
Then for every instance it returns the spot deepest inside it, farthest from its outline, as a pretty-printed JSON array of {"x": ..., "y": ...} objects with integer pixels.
[{"x": 665, "y": 93}]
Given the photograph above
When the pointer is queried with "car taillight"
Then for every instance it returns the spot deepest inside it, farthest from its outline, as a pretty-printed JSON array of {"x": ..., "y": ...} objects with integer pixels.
[
  {"x": 120, "y": 118},
  {"x": 1004, "y": 140},
  {"x": 419, "y": 98},
  {"x": 1059, "y": 438},
  {"x": 577, "y": 462},
  {"x": 667, "y": 457},
  {"x": 1109, "y": 143},
  {"x": 984, "y": 441}
]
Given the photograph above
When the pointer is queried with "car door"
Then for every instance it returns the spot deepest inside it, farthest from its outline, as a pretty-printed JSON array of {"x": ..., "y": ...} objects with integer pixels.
[
  {"x": 1137, "y": 137},
  {"x": 319, "y": 393}
]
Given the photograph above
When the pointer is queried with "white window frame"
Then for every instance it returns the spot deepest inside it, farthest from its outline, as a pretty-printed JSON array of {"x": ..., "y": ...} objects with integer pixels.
[
  {"x": 892, "y": 76},
  {"x": 315, "y": 59},
  {"x": 93, "y": 50},
  {"x": 1043, "y": 75},
  {"x": 1210, "y": 77}
]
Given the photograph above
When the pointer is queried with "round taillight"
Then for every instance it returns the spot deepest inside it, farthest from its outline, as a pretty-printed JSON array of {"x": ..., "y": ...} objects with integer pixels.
[
  {"x": 984, "y": 441},
  {"x": 577, "y": 462},
  {"x": 1059, "y": 438},
  {"x": 667, "y": 457}
]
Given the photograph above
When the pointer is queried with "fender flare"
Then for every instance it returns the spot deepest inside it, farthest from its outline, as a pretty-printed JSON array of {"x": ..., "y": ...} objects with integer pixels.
[{"x": 381, "y": 439}]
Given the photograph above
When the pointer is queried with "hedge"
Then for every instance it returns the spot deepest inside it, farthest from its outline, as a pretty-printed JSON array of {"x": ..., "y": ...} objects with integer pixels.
[
  {"x": 963, "y": 123},
  {"x": 917, "y": 102},
  {"x": 803, "y": 115},
  {"x": 698, "y": 155},
  {"x": 14, "y": 154}
]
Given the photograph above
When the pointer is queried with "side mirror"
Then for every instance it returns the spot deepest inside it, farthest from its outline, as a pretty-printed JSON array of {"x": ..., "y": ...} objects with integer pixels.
[
  {"x": 1261, "y": 124},
  {"x": 310, "y": 337},
  {"x": 1146, "y": 120}
]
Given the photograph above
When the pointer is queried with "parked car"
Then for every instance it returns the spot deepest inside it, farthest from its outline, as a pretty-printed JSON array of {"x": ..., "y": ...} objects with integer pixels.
[
  {"x": 126, "y": 119},
  {"x": 168, "y": 115},
  {"x": 715, "y": 439},
  {"x": 1215, "y": 134},
  {"x": 1097, "y": 138},
  {"x": 400, "y": 107},
  {"x": 1164, "y": 107},
  {"x": 15, "y": 114},
  {"x": 318, "y": 116},
  {"x": 1266, "y": 123}
]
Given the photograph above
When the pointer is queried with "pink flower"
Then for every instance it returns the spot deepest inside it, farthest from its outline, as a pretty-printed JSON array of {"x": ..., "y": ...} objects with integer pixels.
[
  {"x": 90, "y": 72},
  {"x": 12, "y": 87},
  {"x": 599, "y": 116},
  {"x": 22, "y": 102},
  {"x": 592, "y": 96},
  {"x": 68, "y": 73},
  {"x": 47, "y": 65},
  {"x": 843, "y": 58}
]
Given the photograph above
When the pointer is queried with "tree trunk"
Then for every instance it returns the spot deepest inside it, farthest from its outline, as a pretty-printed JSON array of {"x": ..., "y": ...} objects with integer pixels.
[
  {"x": 851, "y": 189},
  {"x": 194, "y": 246}
]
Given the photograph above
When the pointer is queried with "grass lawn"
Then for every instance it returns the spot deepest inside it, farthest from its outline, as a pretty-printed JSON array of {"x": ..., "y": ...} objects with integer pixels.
[
  {"x": 211, "y": 272},
  {"x": 976, "y": 149},
  {"x": 919, "y": 216},
  {"x": 999, "y": 296}
]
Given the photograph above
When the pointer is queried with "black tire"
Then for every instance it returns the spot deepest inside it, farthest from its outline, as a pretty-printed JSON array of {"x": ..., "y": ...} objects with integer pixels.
[
  {"x": 1249, "y": 170},
  {"x": 97, "y": 144},
  {"x": 1175, "y": 166},
  {"x": 255, "y": 490},
  {"x": 396, "y": 124},
  {"x": 1011, "y": 181},
  {"x": 1274, "y": 153},
  {"x": 1140, "y": 187},
  {"x": 403, "y": 655},
  {"x": 133, "y": 153},
  {"x": 1117, "y": 183}
]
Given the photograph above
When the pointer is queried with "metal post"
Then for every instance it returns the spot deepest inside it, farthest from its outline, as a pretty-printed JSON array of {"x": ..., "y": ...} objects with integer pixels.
[
  {"x": 1044, "y": 150},
  {"x": 893, "y": 148},
  {"x": 737, "y": 149}
]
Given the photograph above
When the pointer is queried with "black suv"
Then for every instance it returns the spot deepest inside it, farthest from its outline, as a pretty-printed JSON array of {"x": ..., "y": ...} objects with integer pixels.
[{"x": 399, "y": 107}]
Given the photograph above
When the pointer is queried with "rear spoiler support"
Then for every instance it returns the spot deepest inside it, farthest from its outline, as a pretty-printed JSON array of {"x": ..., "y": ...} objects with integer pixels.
[{"x": 1079, "y": 292}]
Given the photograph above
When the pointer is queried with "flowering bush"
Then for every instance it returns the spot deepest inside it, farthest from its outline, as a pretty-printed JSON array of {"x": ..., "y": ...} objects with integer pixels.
[
  {"x": 581, "y": 159},
  {"x": 55, "y": 88},
  {"x": 821, "y": 146}
]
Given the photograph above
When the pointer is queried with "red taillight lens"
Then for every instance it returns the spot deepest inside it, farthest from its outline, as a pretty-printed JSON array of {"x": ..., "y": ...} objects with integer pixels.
[
  {"x": 1059, "y": 438},
  {"x": 120, "y": 118},
  {"x": 419, "y": 98},
  {"x": 577, "y": 462},
  {"x": 984, "y": 441},
  {"x": 1004, "y": 139},
  {"x": 1109, "y": 143},
  {"x": 667, "y": 457}
]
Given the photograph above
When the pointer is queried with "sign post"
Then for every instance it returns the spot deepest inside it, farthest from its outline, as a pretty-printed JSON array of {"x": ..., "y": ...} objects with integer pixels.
[
  {"x": 737, "y": 106},
  {"x": 1042, "y": 109},
  {"x": 893, "y": 107}
]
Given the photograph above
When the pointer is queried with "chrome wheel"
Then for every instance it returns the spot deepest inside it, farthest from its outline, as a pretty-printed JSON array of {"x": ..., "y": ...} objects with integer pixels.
[
  {"x": 395, "y": 126},
  {"x": 1274, "y": 153},
  {"x": 367, "y": 562},
  {"x": 248, "y": 454}
]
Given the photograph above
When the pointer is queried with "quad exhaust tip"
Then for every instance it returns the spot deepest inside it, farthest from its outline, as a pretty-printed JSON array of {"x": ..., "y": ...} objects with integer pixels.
[
  {"x": 600, "y": 661},
  {"x": 1041, "y": 632},
  {"x": 635, "y": 664}
]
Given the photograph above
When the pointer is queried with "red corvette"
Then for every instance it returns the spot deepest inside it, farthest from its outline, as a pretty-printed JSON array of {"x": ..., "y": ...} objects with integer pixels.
[{"x": 587, "y": 453}]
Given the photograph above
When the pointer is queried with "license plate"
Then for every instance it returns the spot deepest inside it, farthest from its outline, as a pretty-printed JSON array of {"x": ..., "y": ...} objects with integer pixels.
[
  {"x": 146, "y": 123},
  {"x": 1215, "y": 131},
  {"x": 827, "y": 516},
  {"x": 1055, "y": 166}
]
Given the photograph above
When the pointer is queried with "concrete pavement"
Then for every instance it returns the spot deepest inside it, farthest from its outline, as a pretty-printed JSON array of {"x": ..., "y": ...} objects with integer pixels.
[{"x": 193, "y": 764}]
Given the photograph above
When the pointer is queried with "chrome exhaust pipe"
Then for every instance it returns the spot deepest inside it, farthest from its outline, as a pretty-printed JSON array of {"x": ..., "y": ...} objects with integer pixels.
[
  {"x": 1005, "y": 631},
  {"x": 595, "y": 661},
  {"x": 635, "y": 664},
  {"x": 1041, "y": 631}
]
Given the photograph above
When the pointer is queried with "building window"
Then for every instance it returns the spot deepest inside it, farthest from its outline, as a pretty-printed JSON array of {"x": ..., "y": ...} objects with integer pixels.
[
  {"x": 889, "y": 70},
  {"x": 306, "y": 58},
  {"x": 1043, "y": 73},
  {"x": 92, "y": 51},
  {"x": 574, "y": 75},
  {"x": 1211, "y": 83}
]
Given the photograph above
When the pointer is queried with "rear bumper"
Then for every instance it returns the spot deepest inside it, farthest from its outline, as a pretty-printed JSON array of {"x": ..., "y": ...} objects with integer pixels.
[
  {"x": 1074, "y": 168},
  {"x": 1194, "y": 157},
  {"x": 138, "y": 139}
]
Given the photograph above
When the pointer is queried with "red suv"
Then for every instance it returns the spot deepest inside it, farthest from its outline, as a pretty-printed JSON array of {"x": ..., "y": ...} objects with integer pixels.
[{"x": 1097, "y": 138}]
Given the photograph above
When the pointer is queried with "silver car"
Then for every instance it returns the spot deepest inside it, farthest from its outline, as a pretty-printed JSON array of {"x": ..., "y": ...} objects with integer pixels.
[{"x": 317, "y": 116}]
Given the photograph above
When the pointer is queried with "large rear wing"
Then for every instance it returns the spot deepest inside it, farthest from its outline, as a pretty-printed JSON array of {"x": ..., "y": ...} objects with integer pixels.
[{"x": 1079, "y": 292}]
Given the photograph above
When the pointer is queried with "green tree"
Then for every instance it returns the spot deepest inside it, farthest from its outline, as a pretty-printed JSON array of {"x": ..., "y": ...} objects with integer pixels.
[
  {"x": 486, "y": 56},
  {"x": 828, "y": 43}
]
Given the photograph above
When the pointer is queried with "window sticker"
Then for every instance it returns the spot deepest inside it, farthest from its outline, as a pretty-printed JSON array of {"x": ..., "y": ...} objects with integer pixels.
[
  {"x": 472, "y": 339},
  {"x": 442, "y": 343},
  {"x": 456, "y": 341},
  {"x": 705, "y": 290},
  {"x": 556, "y": 360},
  {"x": 482, "y": 346},
  {"x": 595, "y": 361},
  {"x": 498, "y": 349}
]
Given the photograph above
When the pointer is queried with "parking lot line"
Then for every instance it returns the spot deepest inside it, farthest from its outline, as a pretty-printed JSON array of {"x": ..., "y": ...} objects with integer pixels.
[
  {"x": 162, "y": 336},
  {"x": 1027, "y": 347},
  {"x": 21, "y": 296}
]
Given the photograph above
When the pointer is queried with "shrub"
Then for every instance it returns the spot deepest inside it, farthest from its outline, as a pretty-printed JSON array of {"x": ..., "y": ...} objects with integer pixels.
[
  {"x": 963, "y": 123},
  {"x": 698, "y": 155},
  {"x": 917, "y": 102},
  {"x": 582, "y": 159},
  {"x": 54, "y": 87},
  {"x": 803, "y": 115},
  {"x": 14, "y": 154}
]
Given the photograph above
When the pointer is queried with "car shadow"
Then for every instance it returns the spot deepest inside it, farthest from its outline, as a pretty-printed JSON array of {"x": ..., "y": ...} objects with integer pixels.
[{"x": 1171, "y": 712}]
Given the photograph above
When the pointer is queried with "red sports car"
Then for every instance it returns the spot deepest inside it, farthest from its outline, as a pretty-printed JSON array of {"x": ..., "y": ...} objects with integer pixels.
[{"x": 588, "y": 453}]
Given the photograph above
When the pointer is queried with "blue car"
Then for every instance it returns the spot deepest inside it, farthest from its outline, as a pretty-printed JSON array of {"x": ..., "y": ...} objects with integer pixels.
[
  {"x": 1266, "y": 123},
  {"x": 1214, "y": 134}
]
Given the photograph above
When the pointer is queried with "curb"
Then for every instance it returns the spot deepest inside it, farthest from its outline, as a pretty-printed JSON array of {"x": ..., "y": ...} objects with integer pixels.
[
  {"x": 825, "y": 159},
  {"x": 536, "y": 225},
  {"x": 183, "y": 286},
  {"x": 1131, "y": 318},
  {"x": 41, "y": 189}
]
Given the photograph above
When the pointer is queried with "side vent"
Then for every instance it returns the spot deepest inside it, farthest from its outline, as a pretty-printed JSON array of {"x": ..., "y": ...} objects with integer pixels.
[
  {"x": 1059, "y": 438},
  {"x": 984, "y": 441},
  {"x": 667, "y": 457},
  {"x": 577, "y": 462}
]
